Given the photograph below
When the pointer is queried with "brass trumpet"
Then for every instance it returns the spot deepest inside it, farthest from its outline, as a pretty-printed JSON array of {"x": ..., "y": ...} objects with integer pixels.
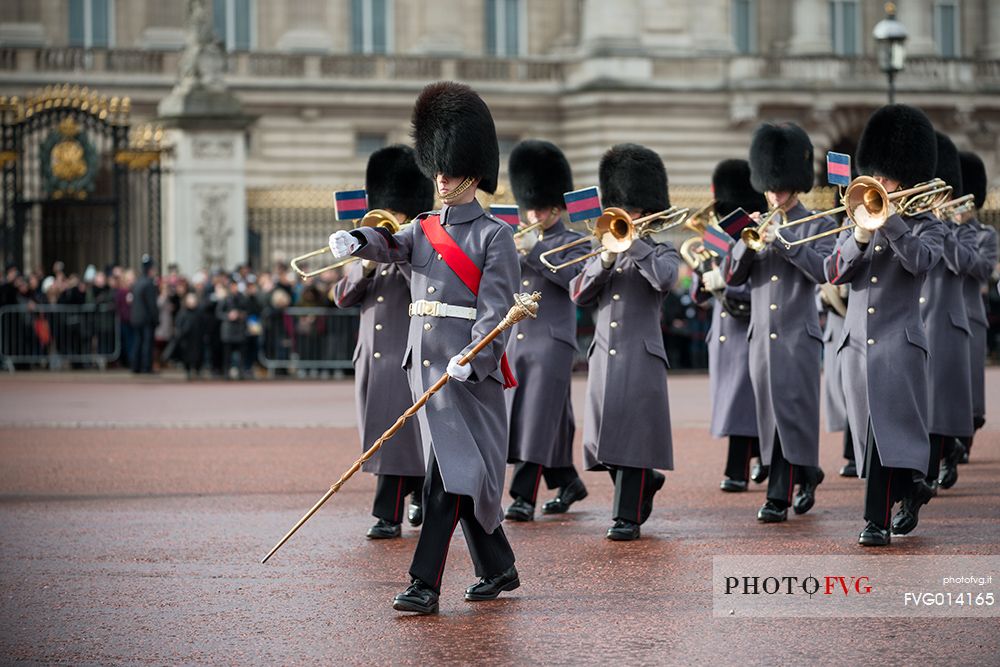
[
  {"x": 377, "y": 217},
  {"x": 753, "y": 237},
  {"x": 615, "y": 230},
  {"x": 956, "y": 209},
  {"x": 867, "y": 192}
]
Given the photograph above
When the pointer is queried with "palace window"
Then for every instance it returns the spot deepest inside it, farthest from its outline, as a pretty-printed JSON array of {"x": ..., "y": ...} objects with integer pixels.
[
  {"x": 845, "y": 27},
  {"x": 744, "y": 23},
  {"x": 371, "y": 26},
  {"x": 946, "y": 29},
  {"x": 505, "y": 27},
  {"x": 235, "y": 23},
  {"x": 91, "y": 23}
]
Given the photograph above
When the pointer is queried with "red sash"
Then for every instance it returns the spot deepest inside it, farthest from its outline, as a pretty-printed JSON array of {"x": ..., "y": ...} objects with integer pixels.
[{"x": 465, "y": 269}]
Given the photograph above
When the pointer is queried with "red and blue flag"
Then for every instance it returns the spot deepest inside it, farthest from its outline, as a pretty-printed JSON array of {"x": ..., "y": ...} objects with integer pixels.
[
  {"x": 506, "y": 213},
  {"x": 717, "y": 240},
  {"x": 838, "y": 168},
  {"x": 583, "y": 204},
  {"x": 350, "y": 204},
  {"x": 736, "y": 222}
]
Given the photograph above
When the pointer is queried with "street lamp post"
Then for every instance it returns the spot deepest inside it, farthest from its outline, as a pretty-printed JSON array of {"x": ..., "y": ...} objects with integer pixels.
[{"x": 890, "y": 36}]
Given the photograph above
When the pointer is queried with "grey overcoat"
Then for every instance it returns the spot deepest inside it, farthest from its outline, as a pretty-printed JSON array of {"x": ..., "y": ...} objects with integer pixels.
[
  {"x": 834, "y": 402},
  {"x": 541, "y": 352},
  {"x": 784, "y": 334},
  {"x": 979, "y": 274},
  {"x": 942, "y": 307},
  {"x": 883, "y": 346},
  {"x": 733, "y": 407},
  {"x": 627, "y": 422},
  {"x": 381, "y": 387},
  {"x": 464, "y": 424}
]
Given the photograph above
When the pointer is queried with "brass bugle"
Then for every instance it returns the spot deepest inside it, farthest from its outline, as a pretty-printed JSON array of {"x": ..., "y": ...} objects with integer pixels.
[
  {"x": 753, "y": 237},
  {"x": 867, "y": 192},
  {"x": 695, "y": 254},
  {"x": 377, "y": 217},
  {"x": 615, "y": 230},
  {"x": 956, "y": 209}
]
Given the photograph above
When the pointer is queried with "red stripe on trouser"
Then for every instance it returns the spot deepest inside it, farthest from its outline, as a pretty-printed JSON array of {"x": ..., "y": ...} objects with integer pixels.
[
  {"x": 888, "y": 498},
  {"x": 399, "y": 496},
  {"x": 791, "y": 481},
  {"x": 642, "y": 494},
  {"x": 538, "y": 479},
  {"x": 444, "y": 558}
]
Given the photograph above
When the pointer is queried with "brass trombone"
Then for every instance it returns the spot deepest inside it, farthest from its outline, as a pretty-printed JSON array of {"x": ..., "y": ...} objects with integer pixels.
[
  {"x": 867, "y": 192},
  {"x": 956, "y": 209},
  {"x": 615, "y": 230},
  {"x": 377, "y": 217}
]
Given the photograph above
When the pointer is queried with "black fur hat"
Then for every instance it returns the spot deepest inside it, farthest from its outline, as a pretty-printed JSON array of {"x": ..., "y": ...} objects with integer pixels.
[
  {"x": 394, "y": 182},
  {"x": 898, "y": 142},
  {"x": 973, "y": 177},
  {"x": 539, "y": 174},
  {"x": 453, "y": 134},
  {"x": 781, "y": 159},
  {"x": 949, "y": 167},
  {"x": 732, "y": 189},
  {"x": 633, "y": 177}
]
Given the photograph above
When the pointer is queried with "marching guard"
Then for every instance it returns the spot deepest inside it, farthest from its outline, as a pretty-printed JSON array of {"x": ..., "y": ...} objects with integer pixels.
[
  {"x": 784, "y": 334},
  {"x": 884, "y": 346},
  {"x": 464, "y": 271},
  {"x": 733, "y": 413},
  {"x": 395, "y": 184},
  {"x": 979, "y": 274},
  {"x": 542, "y": 350},
  {"x": 626, "y": 428},
  {"x": 942, "y": 307}
]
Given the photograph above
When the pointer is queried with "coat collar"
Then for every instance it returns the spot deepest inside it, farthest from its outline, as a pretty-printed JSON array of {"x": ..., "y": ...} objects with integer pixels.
[{"x": 457, "y": 215}]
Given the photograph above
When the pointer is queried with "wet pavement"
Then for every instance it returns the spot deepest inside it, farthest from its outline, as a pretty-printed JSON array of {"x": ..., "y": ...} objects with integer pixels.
[{"x": 133, "y": 515}]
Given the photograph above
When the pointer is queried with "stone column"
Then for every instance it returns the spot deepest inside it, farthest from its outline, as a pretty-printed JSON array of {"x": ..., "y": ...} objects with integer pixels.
[
  {"x": 810, "y": 28},
  {"x": 918, "y": 17},
  {"x": 991, "y": 50},
  {"x": 440, "y": 28},
  {"x": 711, "y": 27}
]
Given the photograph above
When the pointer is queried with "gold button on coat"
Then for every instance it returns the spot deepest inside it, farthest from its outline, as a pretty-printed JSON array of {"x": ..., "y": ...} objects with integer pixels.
[
  {"x": 377, "y": 355},
  {"x": 427, "y": 363},
  {"x": 774, "y": 336}
]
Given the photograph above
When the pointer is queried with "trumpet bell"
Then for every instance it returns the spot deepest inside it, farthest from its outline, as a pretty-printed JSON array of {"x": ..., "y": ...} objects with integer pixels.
[
  {"x": 865, "y": 191},
  {"x": 614, "y": 229},
  {"x": 379, "y": 217}
]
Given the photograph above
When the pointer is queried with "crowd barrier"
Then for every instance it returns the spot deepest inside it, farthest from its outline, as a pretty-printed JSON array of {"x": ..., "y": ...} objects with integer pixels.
[
  {"x": 55, "y": 336},
  {"x": 309, "y": 339}
]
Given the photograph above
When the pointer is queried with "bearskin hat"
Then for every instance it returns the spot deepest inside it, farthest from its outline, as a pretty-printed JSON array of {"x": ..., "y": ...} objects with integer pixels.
[
  {"x": 732, "y": 189},
  {"x": 973, "y": 177},
  {"x": 949, "y": 167},
  {"x": 633, "y": 177},
  {"x": 539, "y": 174},
  {"x": 898, "y": 142},
  {"x": 394, "y": 182},
  {"x": 453, "y": 134},
  {"x": 781, "y": 159}
]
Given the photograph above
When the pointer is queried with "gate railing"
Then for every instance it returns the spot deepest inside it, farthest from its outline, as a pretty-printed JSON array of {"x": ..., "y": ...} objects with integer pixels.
[
  {"x": 55, "y": 335},
  {"x": 308, "y": 339}
]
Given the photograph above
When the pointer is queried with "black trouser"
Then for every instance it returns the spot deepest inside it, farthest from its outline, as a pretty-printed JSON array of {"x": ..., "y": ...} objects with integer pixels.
[
  {"x": 784, "y": 476},
  {"x": 848, "y": 444},
  {"x": 883, "y": 486},
  {"x": 527, "y": 477},
  {"x": 941, "y": 446},
  {"x": 227, "y": 356},
  {"x": 491, "y": 553},
  {"x": 142, "y": 349},
  {"x": 632, "y": 487},
  {"x": 742, "y": 448},
  {"x": 390, "y": 494}
]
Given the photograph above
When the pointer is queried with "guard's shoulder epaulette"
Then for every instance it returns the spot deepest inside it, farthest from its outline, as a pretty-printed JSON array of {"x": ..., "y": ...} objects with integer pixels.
[
  {"x": 425, "y": 214},
  {"x": 492, "y": 218}
]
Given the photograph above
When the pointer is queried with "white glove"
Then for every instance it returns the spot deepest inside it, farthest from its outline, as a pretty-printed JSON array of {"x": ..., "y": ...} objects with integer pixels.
[
  {"x": 770, "y": 232},
  {"x": 713, "y": 280},
  {"x": 525, "y": 243},
  {"x": 457, "y": 371},
  {"x": 608, "y": 258},
  {"x": 862, "y": 235},
  {"x": 343, "y": 244}
]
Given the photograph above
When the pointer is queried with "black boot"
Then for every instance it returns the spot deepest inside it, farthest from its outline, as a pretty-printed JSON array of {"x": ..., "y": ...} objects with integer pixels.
[
  {"x": 949, "y": 465},
  {"x": 850, "y": 469},
  {"x": 733, "y": 485},
  {"x": 806, "y": 497},
  {"x": 623, "y": 531},
  {"x": 488, "y": 588},
  {"x": 759, "y": 472},
  {"x": 771, "y": 513},
  {"x": 906, "y": 518},
  {"x": 416, "y": 512},
  {"x": 568, "y": 495},
  {"x": 520, "y": 510},
  {"x": 873, "y": 536},
  {"x": 419, "y": 597},
  {"x": 652, "y": 490},
  {"x": 384, "y": 530}
]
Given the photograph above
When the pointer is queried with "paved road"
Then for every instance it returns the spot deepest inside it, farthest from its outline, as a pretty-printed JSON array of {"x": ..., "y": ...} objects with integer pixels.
[{"x": 133, "y": 515}]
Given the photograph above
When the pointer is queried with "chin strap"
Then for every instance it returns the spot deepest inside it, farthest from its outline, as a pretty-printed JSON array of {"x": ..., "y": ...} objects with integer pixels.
[{"x": 457, "y": 192}]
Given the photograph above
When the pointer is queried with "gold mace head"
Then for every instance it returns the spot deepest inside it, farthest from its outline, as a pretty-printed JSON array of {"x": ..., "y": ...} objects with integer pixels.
[{"x": 525, "y": 305}]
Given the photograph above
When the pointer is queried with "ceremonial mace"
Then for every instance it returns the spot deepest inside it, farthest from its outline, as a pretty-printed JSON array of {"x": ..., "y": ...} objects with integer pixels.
[{"x": 525, "y": 305}]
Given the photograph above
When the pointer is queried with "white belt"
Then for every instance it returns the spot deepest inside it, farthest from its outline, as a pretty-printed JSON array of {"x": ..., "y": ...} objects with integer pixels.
[{"x": 422, "y": 308}]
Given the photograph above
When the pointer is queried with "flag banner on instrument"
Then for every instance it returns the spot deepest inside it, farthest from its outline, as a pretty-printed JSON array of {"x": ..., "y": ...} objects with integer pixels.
[
  {"x": 350, "y": 204},
  {"x": 717, "y": 240},
  {"x": 838, "y": 168},
  {"x": 736, "y": 222},
  {"x": 583, "y": 204},
  {"x": 506, "y": 213}
]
